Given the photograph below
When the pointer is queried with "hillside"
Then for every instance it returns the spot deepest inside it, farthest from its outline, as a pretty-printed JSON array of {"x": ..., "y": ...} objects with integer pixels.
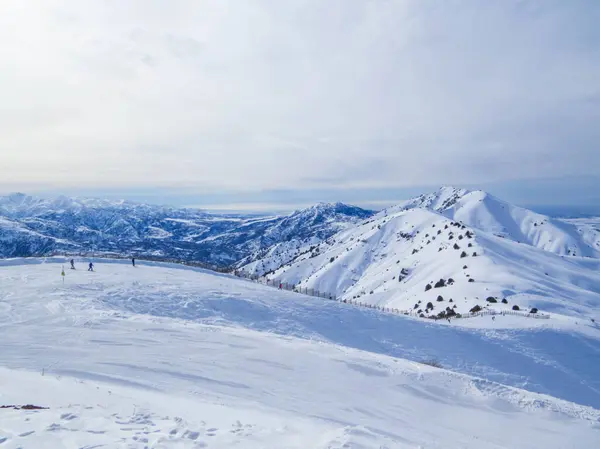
[
  {"x": 422, "y": 261},
  {"x": 483, "y": 211},
  {"x": 301, "y": 229},
  {"x": 35, "y": 226},
  {"x": 163, "y": 356}
]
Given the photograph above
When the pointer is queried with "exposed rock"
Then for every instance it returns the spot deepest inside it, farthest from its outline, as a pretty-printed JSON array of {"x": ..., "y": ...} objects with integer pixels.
[{"x": 475, "y": 309}]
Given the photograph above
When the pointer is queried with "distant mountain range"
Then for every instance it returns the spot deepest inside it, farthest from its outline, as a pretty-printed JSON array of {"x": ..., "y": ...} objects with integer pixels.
[{"x": 34, "y": 226}]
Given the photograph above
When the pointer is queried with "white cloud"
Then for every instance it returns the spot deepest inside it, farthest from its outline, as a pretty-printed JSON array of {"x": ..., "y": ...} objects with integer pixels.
[{"x": 296, "y": 94}]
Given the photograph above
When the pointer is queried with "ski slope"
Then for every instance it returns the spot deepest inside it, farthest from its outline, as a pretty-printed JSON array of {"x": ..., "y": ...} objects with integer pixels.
[{"x": 167, "y": 356}]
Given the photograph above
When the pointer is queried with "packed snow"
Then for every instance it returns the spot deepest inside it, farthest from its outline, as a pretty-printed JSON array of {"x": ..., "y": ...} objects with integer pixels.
[{"x": 164, "y": 356}]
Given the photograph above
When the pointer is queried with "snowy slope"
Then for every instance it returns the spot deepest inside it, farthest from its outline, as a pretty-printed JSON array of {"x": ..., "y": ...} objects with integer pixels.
[
  {"x": 299, "y": 231},
  {"x": 397, "y": 259},
  {"x": 64, "y": 224},
  {"x": 16, "y": 238},
  {"x": 483, "y": 211},
  {"x": 488, "y": 213},
  {"x": 161, "y": 356}
]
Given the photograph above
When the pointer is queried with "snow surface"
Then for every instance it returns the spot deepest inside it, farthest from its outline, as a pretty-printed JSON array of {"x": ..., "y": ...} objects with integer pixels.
[{"x": 167, "y": 356}]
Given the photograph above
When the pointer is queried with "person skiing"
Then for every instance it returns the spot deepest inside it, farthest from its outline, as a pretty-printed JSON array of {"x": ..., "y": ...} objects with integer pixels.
[
  {"x": 133, "y": 261},
  {"x": 72, "y": 264},
  {"x": 91, "y": 267}
]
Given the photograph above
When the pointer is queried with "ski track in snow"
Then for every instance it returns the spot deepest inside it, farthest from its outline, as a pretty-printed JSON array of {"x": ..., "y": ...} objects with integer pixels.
[{"x": 160, "y": 356}]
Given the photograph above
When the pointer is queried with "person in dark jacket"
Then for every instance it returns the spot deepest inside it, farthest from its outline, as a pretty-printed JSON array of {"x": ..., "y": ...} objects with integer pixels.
[
  {"x": 133, "y": 261},
  {"x": 91, "y": 267},
  {"x": 72, "y": 264}
]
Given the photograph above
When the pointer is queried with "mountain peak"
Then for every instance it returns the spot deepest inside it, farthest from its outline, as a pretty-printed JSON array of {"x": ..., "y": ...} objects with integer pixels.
[
  {"x": 337, "y": 208},
  {"x": 16, "y": 197},
  {"x": 451, "y": 190}
]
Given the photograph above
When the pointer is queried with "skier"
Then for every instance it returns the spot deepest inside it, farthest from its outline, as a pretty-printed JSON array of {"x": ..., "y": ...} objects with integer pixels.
[
  {"x": 72, "y": 264},
  {"x": 91, "y": 267},
  {"x": 133, "y": 261}
]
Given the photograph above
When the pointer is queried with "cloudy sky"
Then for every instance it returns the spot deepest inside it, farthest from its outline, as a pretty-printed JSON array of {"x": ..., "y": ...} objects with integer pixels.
[{"x": 262, "y": 102}]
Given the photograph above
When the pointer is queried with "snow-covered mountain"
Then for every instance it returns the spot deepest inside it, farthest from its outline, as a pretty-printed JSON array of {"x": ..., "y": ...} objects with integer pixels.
[
  {"x": 454, "y": 250},
  {"x": 488, "y": 213},
  {"x": 483, "y": 211},
  {"x": 35, "y": 226},
  {"x": 304, "y": 228}
]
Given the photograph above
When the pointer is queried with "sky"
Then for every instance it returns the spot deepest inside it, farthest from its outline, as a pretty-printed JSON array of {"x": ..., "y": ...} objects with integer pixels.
[{"x": 263, "y": 104}]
